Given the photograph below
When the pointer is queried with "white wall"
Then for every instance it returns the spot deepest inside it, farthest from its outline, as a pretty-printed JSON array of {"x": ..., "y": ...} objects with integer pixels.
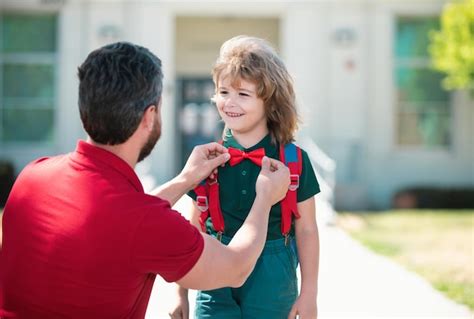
[
  {"x": 198, "y": 39},
  {"x": 390, "y": 167}
]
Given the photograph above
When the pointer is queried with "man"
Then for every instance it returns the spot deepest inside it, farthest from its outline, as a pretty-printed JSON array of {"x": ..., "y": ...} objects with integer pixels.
[{"x": 80, "y": 237}]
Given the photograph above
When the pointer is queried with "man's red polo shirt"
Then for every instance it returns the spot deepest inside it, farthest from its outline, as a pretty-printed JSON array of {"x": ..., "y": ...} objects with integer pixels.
[{"x": 82, "y": 240}]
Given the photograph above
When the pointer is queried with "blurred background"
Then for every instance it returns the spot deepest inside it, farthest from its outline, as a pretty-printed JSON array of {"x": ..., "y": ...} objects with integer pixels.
[
  {"x": 368, "y": 96},
  {"x": 383, "y": 124}
]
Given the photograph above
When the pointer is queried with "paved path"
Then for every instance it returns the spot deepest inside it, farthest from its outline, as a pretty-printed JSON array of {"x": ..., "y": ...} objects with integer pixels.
[{"x": 356, "y": 283}]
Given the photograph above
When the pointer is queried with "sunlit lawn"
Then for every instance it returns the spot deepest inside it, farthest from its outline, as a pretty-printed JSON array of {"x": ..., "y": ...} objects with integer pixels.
[{"x": 438, "y": 245}]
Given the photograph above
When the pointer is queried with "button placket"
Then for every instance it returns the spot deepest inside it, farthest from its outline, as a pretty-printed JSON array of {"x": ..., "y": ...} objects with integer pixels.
[{"x": 245, "y": 166}]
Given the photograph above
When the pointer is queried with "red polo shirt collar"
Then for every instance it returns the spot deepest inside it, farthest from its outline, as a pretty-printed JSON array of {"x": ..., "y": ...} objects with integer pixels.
[{"x": 91, "y": 155}]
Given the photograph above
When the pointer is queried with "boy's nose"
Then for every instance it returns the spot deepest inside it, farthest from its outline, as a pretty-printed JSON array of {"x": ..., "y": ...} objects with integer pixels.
[{"x": 230, "y": 102}]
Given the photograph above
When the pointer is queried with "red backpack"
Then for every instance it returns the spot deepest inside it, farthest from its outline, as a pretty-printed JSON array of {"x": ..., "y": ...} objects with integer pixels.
[{"x": 207, "y": 193}]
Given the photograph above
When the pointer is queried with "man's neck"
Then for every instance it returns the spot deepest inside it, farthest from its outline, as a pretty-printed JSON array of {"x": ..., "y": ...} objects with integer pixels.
[{"x": 124, "y": 151}]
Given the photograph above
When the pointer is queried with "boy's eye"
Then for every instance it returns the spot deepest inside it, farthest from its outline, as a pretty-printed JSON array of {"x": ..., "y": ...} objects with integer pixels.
[
  {"x": 243, "y": 94},
  {"x": 223, "y": 92}
]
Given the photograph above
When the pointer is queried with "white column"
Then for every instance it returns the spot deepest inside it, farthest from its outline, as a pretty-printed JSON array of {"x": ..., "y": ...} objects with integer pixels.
[
  {"x": 155, "y": 29},
  {"x": 305, "y": 52},
  {"x": 71, "y": 53}
]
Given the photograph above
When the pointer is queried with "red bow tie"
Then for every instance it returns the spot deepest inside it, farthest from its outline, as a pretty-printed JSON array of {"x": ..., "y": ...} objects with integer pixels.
[{"x": 237, "y": 156}]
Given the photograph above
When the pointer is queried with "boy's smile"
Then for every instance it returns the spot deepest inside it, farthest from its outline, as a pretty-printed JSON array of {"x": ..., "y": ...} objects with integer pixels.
[{"x": 231, "y": 114}]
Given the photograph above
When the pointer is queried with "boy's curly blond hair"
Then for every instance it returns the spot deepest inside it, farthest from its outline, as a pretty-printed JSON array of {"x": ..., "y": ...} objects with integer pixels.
[{"x": 253, "y": 59}]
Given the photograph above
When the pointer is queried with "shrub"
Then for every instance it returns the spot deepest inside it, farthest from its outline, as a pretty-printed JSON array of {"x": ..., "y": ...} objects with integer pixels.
[
  {"x": 431, "y": 197},
  {"x": 7, "y": 177}
]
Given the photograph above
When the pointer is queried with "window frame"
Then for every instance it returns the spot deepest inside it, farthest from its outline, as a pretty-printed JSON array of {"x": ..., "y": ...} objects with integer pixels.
[
  {"x": 37, "y": 58},
  {"x": 413, "y": 63}
]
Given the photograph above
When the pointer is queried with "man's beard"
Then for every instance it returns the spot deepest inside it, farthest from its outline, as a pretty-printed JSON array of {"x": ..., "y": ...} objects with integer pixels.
[{"x": 151, "y": 142}]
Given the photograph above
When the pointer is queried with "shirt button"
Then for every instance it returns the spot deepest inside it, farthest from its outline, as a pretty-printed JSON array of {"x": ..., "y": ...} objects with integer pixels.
[
  {"x": 244, "y": 173},
  {"x": 244, "y": 192}
]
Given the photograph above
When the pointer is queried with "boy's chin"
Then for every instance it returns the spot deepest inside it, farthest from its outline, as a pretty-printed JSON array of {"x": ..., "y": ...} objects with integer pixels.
[{"x": 235, "y": 128}]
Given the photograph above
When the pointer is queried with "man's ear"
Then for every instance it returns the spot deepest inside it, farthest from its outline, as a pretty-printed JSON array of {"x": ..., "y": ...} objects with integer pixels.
[{"x": 149, "y": 117}]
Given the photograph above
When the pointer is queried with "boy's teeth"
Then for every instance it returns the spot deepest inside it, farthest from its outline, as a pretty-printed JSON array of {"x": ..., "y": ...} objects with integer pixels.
[{"x": 234, "y": 114}]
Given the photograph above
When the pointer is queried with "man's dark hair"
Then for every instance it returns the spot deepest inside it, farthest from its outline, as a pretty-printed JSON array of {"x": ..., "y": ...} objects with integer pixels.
[{"x": 116, "y": 84}]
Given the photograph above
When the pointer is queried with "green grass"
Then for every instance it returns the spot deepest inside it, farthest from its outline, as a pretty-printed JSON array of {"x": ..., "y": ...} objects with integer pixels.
[{"x": 438, "y": 245}]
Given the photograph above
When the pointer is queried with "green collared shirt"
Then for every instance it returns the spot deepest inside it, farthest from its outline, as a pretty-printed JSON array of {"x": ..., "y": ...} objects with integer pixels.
[{"x": 237, "y": 189}]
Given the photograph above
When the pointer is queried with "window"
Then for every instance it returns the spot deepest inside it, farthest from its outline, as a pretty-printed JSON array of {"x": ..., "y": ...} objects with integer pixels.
[
  {"x": 423, "y": 106},
  {"x": 27, "y": 77}
]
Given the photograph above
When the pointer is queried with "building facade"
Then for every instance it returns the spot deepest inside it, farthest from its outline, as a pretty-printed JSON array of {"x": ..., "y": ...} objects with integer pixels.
[{"x": 365, "y": 91}]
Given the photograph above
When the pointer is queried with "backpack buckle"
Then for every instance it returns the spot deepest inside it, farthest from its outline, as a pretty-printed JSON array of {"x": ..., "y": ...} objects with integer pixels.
[
  {"x": 294, "y": 182},
  {"x": 202, "y": 203}
]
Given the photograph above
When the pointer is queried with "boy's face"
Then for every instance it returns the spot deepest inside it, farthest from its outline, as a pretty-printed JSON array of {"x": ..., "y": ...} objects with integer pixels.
[{"x": 240, "y": 107}]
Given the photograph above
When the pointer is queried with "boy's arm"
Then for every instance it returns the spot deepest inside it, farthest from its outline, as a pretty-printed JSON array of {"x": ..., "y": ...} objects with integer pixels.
[
  {"x": 179, "y": 308},
  {"x": 307, "y": 241}
]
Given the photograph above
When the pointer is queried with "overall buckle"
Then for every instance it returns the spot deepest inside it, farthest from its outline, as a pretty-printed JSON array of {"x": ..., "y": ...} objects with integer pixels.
[
  {"x": 202, "y": 203},
  {"x": 294, "y": 182},
  {"x": 287, "y": 239}
]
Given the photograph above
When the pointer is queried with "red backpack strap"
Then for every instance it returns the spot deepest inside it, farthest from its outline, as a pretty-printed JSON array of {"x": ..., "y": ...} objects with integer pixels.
[
  {"x": 215, "y": 207},
  {"x": 290, "y": 155},
  {"x": 208, "y": 203},
  {"x": 202, "y": 203}
]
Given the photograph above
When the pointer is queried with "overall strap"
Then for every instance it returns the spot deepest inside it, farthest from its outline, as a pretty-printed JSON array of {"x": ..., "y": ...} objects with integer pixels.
[
  {"x": 202, "y": 203},
  {"x": 207, "y": 201},
  {"x": 290, "y": 155},
  {"x": 215, "y": 206}
]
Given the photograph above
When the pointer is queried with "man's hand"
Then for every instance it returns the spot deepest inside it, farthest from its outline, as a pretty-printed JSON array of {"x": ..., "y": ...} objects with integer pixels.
[
  {"x": 273, "y": 180},
  {"x": 203, "y": 161}
]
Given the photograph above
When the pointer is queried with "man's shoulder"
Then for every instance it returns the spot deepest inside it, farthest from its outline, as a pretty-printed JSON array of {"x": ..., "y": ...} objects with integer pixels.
[
  {"x": 46, "y": 161},
  {"x": 42, "y": 165}
]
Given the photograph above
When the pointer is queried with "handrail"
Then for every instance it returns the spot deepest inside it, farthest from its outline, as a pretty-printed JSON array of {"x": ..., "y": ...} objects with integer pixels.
[
  {"x": 315, "y": 152},
  {"x": 325, "y": 169}
]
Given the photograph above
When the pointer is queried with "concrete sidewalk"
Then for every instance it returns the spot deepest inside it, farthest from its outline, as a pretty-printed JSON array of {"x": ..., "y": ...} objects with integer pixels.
[{"x": 354, "y": 283}]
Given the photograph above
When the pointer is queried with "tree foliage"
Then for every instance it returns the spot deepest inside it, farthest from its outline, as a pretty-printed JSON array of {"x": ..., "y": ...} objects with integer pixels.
[{"x": 452, "y": 47}]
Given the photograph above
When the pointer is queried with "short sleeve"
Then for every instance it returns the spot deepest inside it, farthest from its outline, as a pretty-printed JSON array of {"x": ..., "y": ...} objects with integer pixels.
[
  {"x": 165, "y": 243},
  {"x": 309, "y": 185}
]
